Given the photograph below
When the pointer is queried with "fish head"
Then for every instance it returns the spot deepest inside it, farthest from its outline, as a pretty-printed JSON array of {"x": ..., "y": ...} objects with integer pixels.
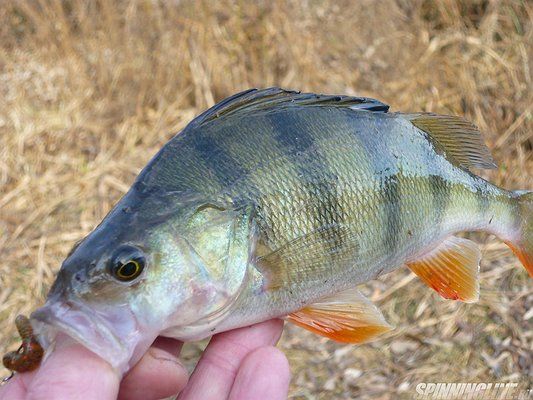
[{"x": 147, "y": 270}]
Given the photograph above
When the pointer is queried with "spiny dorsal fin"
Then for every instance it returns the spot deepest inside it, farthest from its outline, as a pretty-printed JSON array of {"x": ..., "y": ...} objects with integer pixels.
[
  {"x": 451, "y": 269},
  {"x": 346, "y": 317},
  {"x": 257, "y": 99},
  {"x": 458, "y": 138}
]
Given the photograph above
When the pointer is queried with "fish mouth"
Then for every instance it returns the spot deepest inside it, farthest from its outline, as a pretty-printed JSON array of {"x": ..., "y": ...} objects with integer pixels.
[{"x": 113, "y": 335}]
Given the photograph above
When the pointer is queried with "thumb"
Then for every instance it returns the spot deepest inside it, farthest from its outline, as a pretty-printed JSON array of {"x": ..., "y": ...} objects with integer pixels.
[{"x": 74, "y": 372}]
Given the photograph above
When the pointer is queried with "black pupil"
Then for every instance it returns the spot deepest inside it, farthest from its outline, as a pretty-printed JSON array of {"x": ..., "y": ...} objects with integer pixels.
[
  {"x": 128, "y": 269},
  {"x": 127, "y": 263}
]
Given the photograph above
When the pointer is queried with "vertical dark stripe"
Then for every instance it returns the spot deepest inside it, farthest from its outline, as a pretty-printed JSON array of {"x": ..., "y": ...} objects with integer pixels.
[
  {"x": 292, "y": 131},
  {"x": 392, "y": 204},
  {"x": 384, "y": 161},
  {"x": 440, "y": 196},
  {"x": 297, "y": 137},
  {"x": 328, "y": 214},
  {"x": 483, "y": 201},
  {"x": 212, "y": 150}
]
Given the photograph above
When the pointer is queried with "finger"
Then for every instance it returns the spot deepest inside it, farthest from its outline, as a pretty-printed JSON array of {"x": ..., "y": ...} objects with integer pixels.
[
  {"x": 216, "y": 370},
  {"x": 73, "y": 372},
  {"x": 157, "y": 375},
  {"x": 15, "y": 388},
  {"x": 171, "y": 346},
  {"x": 264, "y": 374}
]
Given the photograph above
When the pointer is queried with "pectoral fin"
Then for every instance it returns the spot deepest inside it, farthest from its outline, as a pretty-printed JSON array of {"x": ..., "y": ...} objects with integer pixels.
[
  {"x": 307, "y": 256},
  {"x": 451, "y": 269},
  {"x": 346, "y": 317}
]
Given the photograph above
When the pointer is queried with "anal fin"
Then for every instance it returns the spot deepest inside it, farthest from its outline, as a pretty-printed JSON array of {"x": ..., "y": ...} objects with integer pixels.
[
  {"x": 346, "y": 317},
  {"x": 451, "y": 269}
]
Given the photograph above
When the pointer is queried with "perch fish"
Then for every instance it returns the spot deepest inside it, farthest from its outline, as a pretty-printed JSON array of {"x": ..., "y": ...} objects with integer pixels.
[{"x": 276, "y": 203}]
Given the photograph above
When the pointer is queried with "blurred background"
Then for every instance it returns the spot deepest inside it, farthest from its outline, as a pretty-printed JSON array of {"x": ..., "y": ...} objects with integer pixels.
[{"x": 90, "y": 90}]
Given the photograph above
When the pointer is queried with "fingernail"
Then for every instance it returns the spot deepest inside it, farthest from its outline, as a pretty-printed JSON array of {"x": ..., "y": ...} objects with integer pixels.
[{"x": 162, "y": 355}]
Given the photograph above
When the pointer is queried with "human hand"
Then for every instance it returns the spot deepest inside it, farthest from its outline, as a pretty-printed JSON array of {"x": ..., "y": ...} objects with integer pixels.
[{"x": 239, "y": 364}]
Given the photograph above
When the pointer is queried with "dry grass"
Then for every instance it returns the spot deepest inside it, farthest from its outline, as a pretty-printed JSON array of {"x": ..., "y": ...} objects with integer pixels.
[{"x": 90, "y": 90}]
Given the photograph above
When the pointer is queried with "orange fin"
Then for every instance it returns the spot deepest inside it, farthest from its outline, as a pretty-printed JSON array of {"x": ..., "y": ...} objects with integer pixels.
[
  {"x": 524, "y": 256},
  {"x": 451, "y": 269},
  {"x": 346, "y": 317},
  {"x": 521, "y": 242}
]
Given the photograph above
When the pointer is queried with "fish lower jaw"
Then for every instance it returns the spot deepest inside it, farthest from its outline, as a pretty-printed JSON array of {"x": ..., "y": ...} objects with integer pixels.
[{"x": 54, "y": 324}]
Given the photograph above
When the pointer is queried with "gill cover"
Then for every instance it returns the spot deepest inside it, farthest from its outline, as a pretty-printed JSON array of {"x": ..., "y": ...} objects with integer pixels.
[
  {"x": 217, "y": 246},
  {"x": 196, "y": 263}
]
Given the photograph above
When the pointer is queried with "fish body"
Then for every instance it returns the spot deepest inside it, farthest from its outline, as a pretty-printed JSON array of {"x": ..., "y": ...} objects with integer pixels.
[{"x": 276, "y": 203}]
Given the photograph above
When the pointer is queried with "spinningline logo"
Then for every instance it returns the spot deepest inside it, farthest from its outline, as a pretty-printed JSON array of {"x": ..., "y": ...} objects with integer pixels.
[{"x": 473, "y": 391}]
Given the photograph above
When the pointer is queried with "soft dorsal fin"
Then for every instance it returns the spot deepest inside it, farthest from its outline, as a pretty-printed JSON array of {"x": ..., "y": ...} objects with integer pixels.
[
  {"x": 459, "y": 138},
  {"x": 346, "y": 317},
  {"x": 257, "y": 99},
  {"x": 451, "y": 269}
]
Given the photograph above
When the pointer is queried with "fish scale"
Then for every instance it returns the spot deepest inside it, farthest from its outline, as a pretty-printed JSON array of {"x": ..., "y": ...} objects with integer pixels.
[
  {"x": 310, "y": 176},
  {"x": 275, "y": 203}
]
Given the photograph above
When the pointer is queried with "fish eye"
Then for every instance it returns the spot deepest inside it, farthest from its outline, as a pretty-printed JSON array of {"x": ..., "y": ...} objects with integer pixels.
[{"x": 127, "y": 263}]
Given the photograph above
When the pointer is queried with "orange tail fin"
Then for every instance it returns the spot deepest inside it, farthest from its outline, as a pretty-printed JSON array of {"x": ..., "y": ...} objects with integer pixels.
[{"x": 523, "y": 247}]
